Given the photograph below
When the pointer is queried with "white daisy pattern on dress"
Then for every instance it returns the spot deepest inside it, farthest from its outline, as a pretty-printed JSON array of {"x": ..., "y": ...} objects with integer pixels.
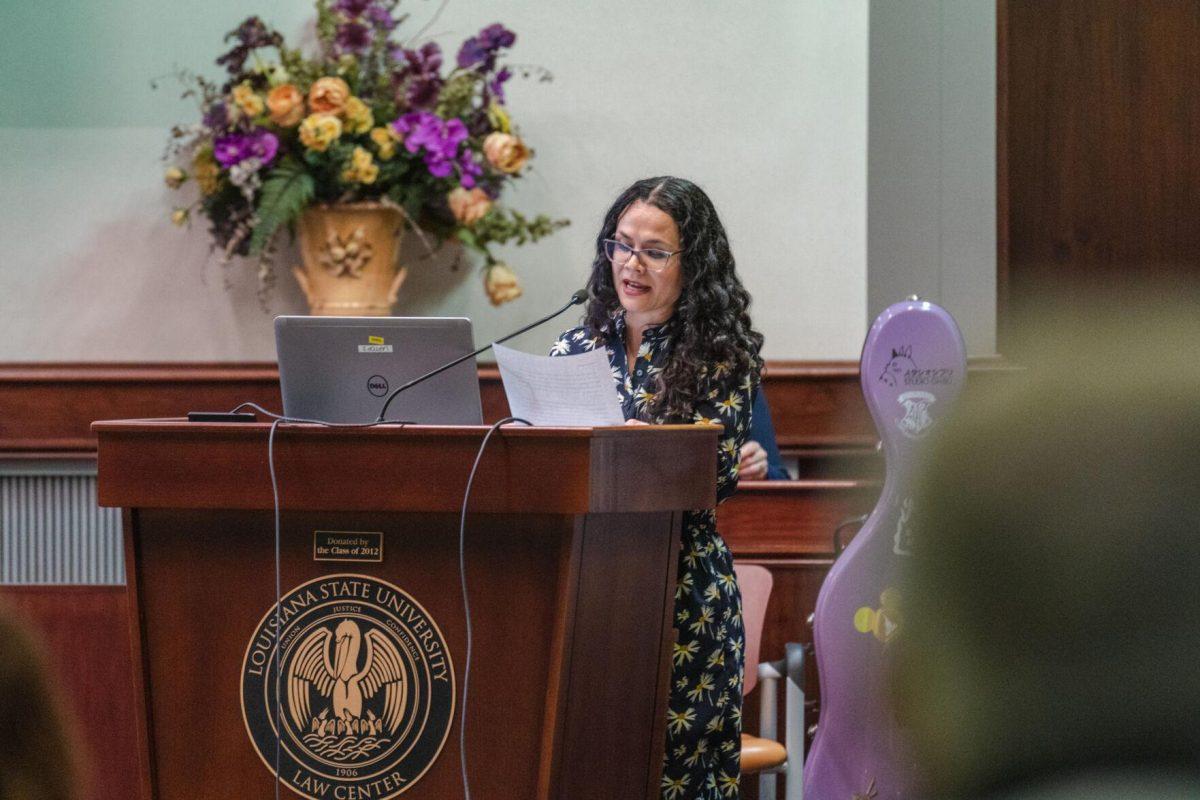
[{"x": 702, "y": 757}]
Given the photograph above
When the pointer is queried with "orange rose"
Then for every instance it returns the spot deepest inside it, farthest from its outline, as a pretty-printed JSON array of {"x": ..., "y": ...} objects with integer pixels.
[
  {"x": 328, "y": 96},
  {"x": 286, "y": 105},
  {"x": 505, "y": 152},
  {"x": 469, "y": 206}
]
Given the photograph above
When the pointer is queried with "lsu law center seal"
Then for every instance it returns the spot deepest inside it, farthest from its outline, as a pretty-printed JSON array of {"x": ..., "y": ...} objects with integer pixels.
[{"x": 365, "y": 689}]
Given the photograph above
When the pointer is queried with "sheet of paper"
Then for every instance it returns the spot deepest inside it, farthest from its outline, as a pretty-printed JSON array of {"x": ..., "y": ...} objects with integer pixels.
[{"x": 564, "y": 390}]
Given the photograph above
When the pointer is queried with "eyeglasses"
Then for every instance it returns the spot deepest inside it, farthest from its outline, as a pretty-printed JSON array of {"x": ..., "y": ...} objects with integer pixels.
[{"x": 652, "y": 258}]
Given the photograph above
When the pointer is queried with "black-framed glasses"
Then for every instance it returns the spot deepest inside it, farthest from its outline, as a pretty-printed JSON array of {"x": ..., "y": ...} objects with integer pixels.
[{"x": 652, "y": 258}]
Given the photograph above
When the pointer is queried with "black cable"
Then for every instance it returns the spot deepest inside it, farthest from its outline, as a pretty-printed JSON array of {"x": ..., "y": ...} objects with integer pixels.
[
  {"x": 278, "y": 594},
  {"x": 277, "y": 420},
  {"x": 462, "y": 574}
]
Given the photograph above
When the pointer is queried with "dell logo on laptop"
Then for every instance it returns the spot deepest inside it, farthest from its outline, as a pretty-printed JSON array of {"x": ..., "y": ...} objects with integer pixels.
[{"x": 377, "y": 385}]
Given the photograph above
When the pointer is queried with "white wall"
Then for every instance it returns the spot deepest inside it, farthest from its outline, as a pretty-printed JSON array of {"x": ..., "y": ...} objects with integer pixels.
[
  {"x": 765, "y": 105},
  {"x": 931, "y": 210}
]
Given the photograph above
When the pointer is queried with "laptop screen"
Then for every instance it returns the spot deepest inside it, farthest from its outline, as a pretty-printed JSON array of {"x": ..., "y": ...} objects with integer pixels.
[{"x": 341, "y": 369}]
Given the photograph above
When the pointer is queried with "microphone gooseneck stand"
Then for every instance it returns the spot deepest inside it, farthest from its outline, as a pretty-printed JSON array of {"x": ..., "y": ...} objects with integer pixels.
[{"x": 579, "y": 297}]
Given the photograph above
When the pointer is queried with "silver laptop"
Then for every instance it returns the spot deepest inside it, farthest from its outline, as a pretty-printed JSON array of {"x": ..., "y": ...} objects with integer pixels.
[{"x": 341, "y": 369}]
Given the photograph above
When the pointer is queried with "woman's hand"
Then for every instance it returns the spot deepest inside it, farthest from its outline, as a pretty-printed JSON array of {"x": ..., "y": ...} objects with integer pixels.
[
  {"x": 635, "y": 422},
  {"x": 752, "y": 463}
]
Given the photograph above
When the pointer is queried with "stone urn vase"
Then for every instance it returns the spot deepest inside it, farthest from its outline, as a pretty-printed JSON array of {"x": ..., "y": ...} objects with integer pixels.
[{"x": 349, "y": 252}]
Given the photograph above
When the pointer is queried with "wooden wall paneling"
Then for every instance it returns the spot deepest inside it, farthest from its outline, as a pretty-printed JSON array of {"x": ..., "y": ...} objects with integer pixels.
[
  {"x": 791, "y": 518},
  {"x": 49, "y": 407},
  {"x": 46, "y": 409},
  {"x": 1101, "y": 141},
  {"x": 85, "y": 633}
]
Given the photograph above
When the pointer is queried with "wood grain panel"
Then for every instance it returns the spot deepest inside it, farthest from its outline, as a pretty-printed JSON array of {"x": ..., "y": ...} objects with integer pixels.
[
  {"x": 196, "y": 638},
  {"x": 176, "y": 464},
  {"x": 85, "y": 632},
  {"x": 791, "y": 518},
  {"x": 603, "y": 714},
  {"x": 1100, "y": 142},
  {"x": 46, "y": 409},
  {"x": 50, "y": 407}
]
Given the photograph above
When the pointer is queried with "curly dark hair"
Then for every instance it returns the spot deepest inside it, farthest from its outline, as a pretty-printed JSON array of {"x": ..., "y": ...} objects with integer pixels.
[{"x": 711, "y": 324}]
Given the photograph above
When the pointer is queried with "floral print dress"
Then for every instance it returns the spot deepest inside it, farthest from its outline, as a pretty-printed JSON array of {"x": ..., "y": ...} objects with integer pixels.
[{"x": 704, "y": 711}]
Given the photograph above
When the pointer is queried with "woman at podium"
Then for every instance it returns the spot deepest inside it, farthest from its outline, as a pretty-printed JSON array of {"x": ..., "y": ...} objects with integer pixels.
[{"x": 666, "y": 304}]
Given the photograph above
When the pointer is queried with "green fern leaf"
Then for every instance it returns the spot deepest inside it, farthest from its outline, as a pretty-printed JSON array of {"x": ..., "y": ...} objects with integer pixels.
[{"x": 286, "y": 192}]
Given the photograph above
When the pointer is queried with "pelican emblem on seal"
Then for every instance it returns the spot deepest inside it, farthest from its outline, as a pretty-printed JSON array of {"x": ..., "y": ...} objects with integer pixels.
[{"x": 326, "y": 693}]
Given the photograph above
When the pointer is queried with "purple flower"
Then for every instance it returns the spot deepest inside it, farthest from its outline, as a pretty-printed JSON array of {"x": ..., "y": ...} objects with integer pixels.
[
  {"x": 484, "y": 48},
  {"x": 250, "y": 35},
  {"x": 438, "y": 138},
  {"x": 496, "y": 84},
  {"x": 469, "y": 169},
  {"x": 420, "y": 75},
  {"x": 380, "y": 17},
  {"x": 235, "y": 148},
  {"x": 351, "y": 8},
  {"x": 422, "y": 91},
  {"x": 216, "y": 117},
  {"x": 352, "y": 37}
]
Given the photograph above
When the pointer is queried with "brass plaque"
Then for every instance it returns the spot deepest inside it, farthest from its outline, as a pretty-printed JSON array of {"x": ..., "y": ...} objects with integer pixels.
[{"x": 347, "y": 546}]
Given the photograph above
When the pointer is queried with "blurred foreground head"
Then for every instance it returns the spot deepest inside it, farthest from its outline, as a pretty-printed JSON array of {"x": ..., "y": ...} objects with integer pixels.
[
  {"x": 1053, "y": 606},
  {"x": 36, "y": 762}
]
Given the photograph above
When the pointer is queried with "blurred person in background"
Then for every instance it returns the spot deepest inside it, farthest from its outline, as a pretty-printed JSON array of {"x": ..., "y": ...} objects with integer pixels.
[
  {"x": 36, "y": 761},
  {"x": 1051, "y": 615}
]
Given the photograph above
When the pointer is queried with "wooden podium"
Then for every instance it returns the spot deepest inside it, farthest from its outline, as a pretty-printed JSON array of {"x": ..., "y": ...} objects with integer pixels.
[{"x": 570, "y": 551}]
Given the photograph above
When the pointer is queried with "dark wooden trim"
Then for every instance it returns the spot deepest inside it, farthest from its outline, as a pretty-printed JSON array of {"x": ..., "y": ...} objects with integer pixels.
[
  {"x": 147, "y": 783},
  {"x": 1002, "y": 199},
  {"x": 49, "y": 407},
  {"x": 554, "y": 719},
  {"x": 791, "y": 519},
  {"x": 46, "y": 409},
  {"x": 176, "y": 464}
]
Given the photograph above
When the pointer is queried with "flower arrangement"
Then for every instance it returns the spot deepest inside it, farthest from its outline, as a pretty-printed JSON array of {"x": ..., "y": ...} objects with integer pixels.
[{"x": 368, "y": 119}]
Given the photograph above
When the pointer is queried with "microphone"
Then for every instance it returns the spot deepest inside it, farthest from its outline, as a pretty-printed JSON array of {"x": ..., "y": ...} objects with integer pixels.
[{"x": 578, "y": 298}]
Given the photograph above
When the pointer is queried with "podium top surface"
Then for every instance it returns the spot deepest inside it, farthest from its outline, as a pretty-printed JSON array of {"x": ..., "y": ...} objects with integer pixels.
[{"x": 173, "y": 463}]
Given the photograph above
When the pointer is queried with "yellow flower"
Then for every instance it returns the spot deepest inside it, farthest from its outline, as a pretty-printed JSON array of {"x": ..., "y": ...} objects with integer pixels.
[
  {"x": 245, "y": 98},
  {"x": 362, "y": 169},
  {"x": 328, "y": 96},
  {"x": 318, "y": 131},
  {"x": 385, "y": 142},
  {"x": 174, "y": 177},
  {"x": 501, "y": 284},
  {"x": 468, "y": 205},
  {"x": 206, "y": 171},
  {"x": 286, "y": 105},
  {"x": 505, "y": 152},
  {"x": 358, "y": 116},
  {"x": 179, "y": 216}
]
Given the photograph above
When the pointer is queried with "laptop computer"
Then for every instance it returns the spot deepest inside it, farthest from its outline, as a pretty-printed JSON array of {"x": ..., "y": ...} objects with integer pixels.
[{"x": 341, "y": 369}]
